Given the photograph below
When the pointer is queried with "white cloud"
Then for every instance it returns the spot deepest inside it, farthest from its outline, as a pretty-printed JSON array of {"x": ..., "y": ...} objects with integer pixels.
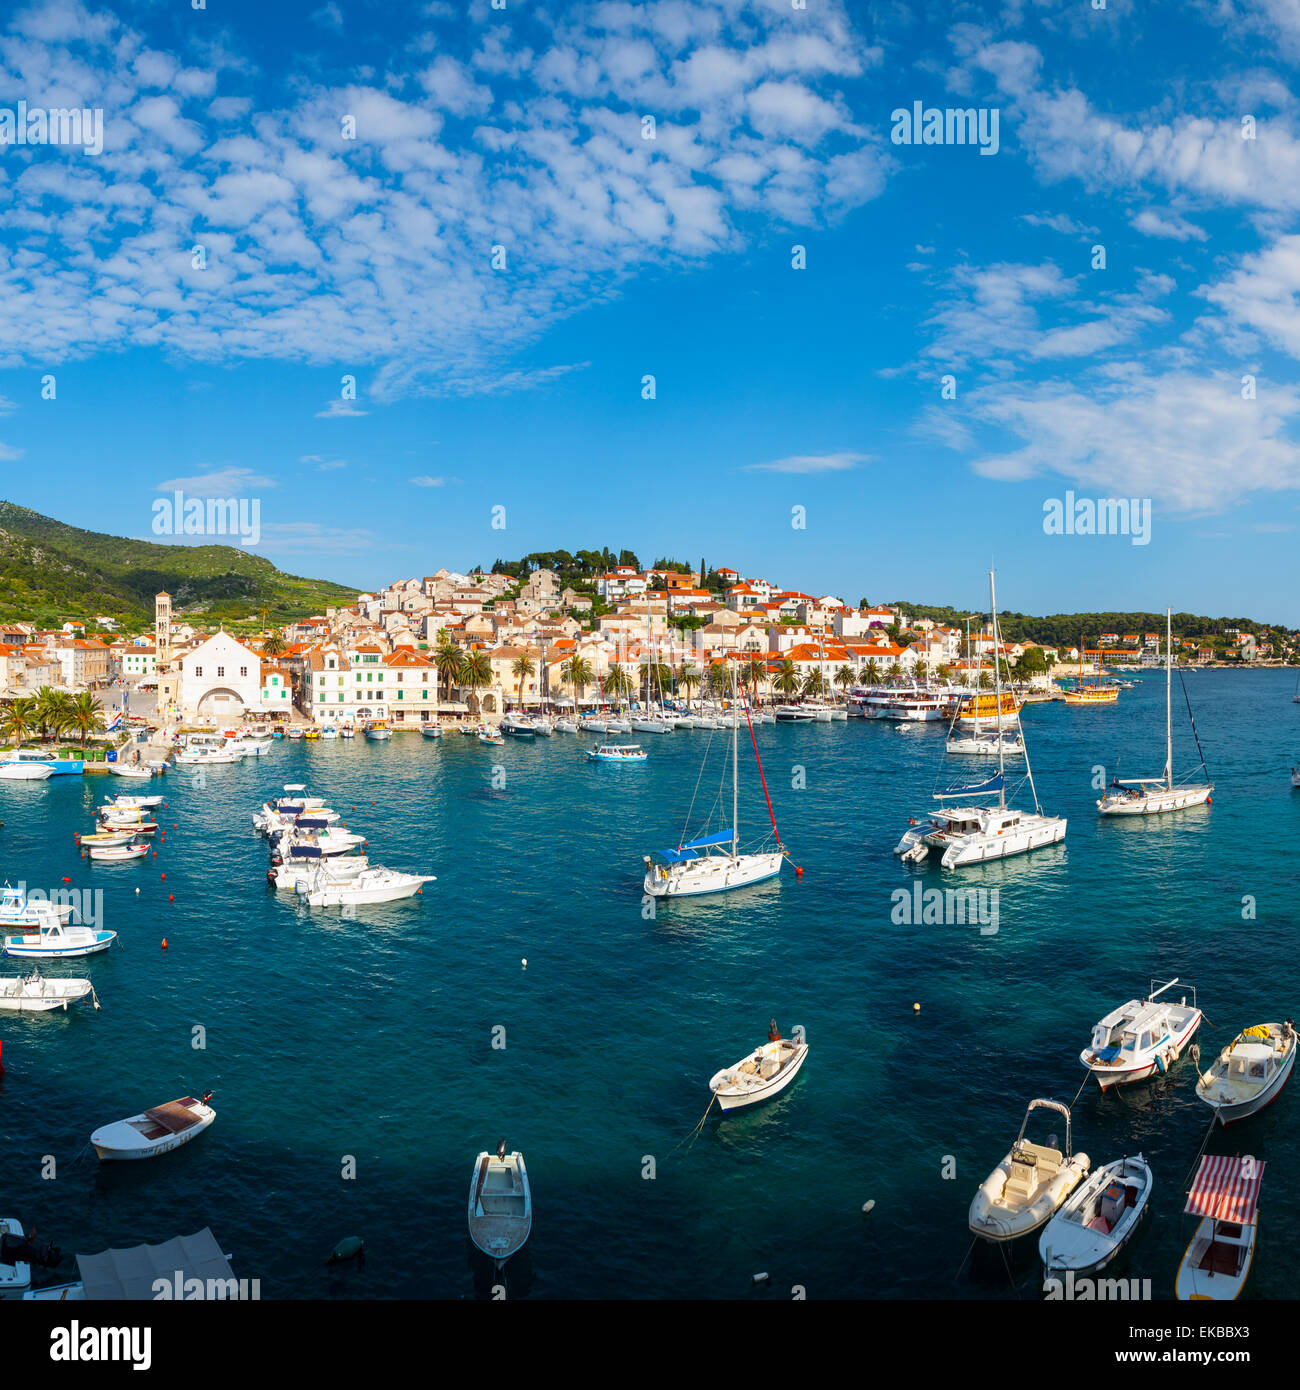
[
  {"x": 1168, "y": 225},
  {"x": 323, "y": 465},
  {"x": 339, "y": 409},
  {"x": 1263, "y": 295},
  {"x": 810, "y": 463},
  {"x": 221, "y": 482},
  {"x": 426, "y": 481}
]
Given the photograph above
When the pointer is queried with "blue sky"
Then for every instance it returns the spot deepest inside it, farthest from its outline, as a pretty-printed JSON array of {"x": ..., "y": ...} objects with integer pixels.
[{"x": 521, "y": 385}]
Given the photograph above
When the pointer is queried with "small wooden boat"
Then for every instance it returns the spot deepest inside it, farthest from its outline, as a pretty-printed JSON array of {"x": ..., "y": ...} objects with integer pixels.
[
  {"x": 1225, "y": 1195},
  {"x": 155, "y": 1131},
  {"x": 106, "y": 837},
  {"x": 1030, "y": 1183},
  {"x": 378, "y": 730},
  {"x": 500, "y": 1204},
  {"x": 33, "y": 994},
  {"x": 117, "y": 854},
  {"x": 1094, "y": 1225},
  {"x": 767, "y": 1070},
  {"x": 617, "y": 753},
  {"x": 1250, "y": 1072}
]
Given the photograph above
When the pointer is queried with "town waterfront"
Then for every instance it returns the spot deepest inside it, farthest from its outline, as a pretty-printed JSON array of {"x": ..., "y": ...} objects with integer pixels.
[{"x": 370, "y": 1035}]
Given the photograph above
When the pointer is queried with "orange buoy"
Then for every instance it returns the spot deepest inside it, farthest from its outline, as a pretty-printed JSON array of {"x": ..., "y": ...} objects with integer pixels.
[
  {"x": 798, "y": 872},
  {"x": 171, "y": 897},
  {"x": 66, "y": 879},
  {"x": 155, "y": 855},
  {"x": 164, "y": 945}
]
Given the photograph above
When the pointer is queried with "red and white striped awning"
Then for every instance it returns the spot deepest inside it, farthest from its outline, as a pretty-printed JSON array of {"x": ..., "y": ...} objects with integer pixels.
[{"x": 1226, "y": 1189}]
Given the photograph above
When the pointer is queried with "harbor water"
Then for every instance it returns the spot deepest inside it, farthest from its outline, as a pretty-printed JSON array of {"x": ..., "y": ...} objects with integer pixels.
[{"x": 360, "y": 1060}]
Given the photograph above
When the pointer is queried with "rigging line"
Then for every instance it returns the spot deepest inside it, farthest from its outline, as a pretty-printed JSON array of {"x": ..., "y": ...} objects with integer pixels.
[
  {"x": 699, "y": 778},
  {"x": 698, "y": 1127},
  {"x": 1214, "y": 1119},
  {"x": 762, "y": 778},
  {"x": 1183, "y": 682}
]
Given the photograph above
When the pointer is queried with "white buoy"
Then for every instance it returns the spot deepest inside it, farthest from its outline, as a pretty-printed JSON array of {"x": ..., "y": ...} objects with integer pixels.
[
  {"x": 137, "y": 890},
  {"x": 869, "y": 1205},
  {"x": 525, "y": 962},
  {"x": 760, "y": 1279}
]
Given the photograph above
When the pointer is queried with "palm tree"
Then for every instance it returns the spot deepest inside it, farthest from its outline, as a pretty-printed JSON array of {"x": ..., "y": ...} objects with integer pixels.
[
  {"x": 871, "y": 672},
  {"x": 521, "y": 668},
  {"x": 688, "y": 678},
  {"x": 844, "y": 677},
  {"x": 814, "y": 684},
  {"x": 274, "y": 645},
  {"x": 755, "y": 671},
  {"x": 787, "y": 678},
  {"x": 448, "y": 660},
  {"x": 895, "y": 671},
  {"x": 616, "y": 682},
  {"x": 475, "y": 672},
  {"x": 654, "y": 673},
  {"x": 85, "y": 715},
  {"x": 51, "y": 711},
  {"x": 577, "y": 673},
  {"x": 20, "y": 719}
]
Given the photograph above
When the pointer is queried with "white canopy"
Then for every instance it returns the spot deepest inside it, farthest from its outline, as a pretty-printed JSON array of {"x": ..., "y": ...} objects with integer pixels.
[{"x": 130, "y": 1273}]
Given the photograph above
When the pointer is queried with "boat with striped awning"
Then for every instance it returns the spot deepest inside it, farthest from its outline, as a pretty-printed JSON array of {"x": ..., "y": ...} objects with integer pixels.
[{"x": 1225, "y": 1195}]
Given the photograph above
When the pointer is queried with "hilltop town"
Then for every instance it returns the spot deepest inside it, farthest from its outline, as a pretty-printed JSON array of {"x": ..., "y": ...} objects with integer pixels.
[{"x": 456, "y": 644}]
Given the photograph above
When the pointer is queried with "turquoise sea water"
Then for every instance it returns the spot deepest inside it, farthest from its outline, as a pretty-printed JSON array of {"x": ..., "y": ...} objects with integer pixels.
[{"x": 371, "y": 1035}]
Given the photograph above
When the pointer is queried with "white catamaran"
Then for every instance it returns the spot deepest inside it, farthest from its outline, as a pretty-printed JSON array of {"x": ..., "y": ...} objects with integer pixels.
[
  {"x": 1148, "y": 796},
  {"x": 974, "y": 834},
  {"x": 685, "y": 872}
]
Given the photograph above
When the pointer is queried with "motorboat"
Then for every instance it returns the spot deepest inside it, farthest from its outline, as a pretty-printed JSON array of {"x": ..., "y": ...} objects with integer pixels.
[
  {"x": 795, "y": 714},
  {"x": 254, "y": 745},
  {"x": 566, "y": 726},
  {"x": 156, "y": 1131},
  {"x": 516, "y": 726},
  {"x": 651, "y": 725},
  {"x": 295, "y": 732},
  {"x": 1098, "y": 1219},
  {"x": 1141, "y": 1038},
  {"x": 25, "y": 772},
  {"x": 500, "y": 1204},
  {"x": 713, "y": 863},
  {"x": 347, "y": 731},
  {"x": 371, "y": 885},
  {"x": 197, "y": 755},
  {"x": 339, "y": 868},
  {"x": 617, "y": 753},
  {"x": 1225, "y": 1195},
  {"x": 767, "y": 1070},
  {"x": 54, "y": 938},
  {"x": 1250, "y": 1072},
  {"x": 130, "y": 803},
  {"x": 126, "y": 818},
  {"x": 377, "y": 730},
  {"x": 1029, "y": 1185},
  {"x": 314, "y": 842},
  {"x": 122, "y": 836},
  {"x": 1148, "y": 796},
  {"x": 490, "y": 736},
  {"x": 117, "y": 854},
  {"x": 328, "y": 731},
  {"x": 431, "y": 730},
  {"x": 19, "y": 910},
  {"x": 33, "y": 993},
  {"x": 19, "y": 1251}
]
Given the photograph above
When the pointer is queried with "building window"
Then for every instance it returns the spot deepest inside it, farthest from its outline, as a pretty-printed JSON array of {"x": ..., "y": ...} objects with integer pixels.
[
  {"x": 243, "y": 670},
  {"x": 198, "y": 670},
  {"x": 221, "y": 672}
]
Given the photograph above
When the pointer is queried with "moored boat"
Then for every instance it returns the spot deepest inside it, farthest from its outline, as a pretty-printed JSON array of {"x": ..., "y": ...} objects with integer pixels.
[
  {"x": 1225, "y": 1195},
  {"x": 53, "y": 938},
  {"x": 768, "y": 1070},
  {"x": 1250, "y": 1072},
  {"x": 1141, "y": 1038},
  {"x": 33, "y": 993},
  {"x": 1097, "y": 1221},
  {"x": 156, "y": 1131},
  {"x": 500, "y": 1204},
  {"x": 1029, "y": 1185},
  {"x": 617, "y": 753},
  {"x": 117, "y": 854}
]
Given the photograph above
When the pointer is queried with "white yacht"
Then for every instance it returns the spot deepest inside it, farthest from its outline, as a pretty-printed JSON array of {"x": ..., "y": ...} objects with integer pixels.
[{"x": 1148, "y": 796}]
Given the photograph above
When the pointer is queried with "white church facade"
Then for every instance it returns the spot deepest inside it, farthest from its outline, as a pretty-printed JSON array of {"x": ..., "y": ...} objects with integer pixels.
[{"x": 220, "y": 679}]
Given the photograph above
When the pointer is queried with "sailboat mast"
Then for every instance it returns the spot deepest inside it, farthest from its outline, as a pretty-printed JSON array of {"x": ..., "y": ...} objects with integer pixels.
[
  {"x": 735, "y": 779},
  {"x": 1169, "y": 686},
  {"x": 997, "y": 686}
]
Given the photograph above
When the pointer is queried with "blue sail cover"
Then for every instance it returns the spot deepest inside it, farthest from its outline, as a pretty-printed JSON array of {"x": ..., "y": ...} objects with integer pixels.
[
  {"x": 994, "y": 784},
  {"x": 687, "y": 851}
]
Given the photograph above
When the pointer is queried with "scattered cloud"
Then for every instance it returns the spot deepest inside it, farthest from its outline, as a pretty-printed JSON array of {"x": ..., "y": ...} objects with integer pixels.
[
  {"x": 810, "y": 463},
  {"x": 323, "y": 465},
  {"x": 1169, "y": 225},
  {"x": 425, "y": 481},
  {"x": 339, "y": 409},
  {"x": 221, "y": 482}
]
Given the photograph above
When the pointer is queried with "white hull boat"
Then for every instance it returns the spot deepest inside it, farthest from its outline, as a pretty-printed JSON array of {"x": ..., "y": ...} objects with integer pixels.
[
  {"x": 1225, "y": 1195},
  {"x": 500, "y": 1204},
  {"x": 1030, "y": 1184},
  {"x": 617, "y": 753},
  {"x": 156, "y": 1131},
  {"x": 117, "y": 854},
  {"x": 1095, "y": 1224},
  {"x": 431, "y": 731},
  {"x": 651, "y": 726},
  {"x": 1141, "y": 1038},
  {"x": 566, "y": 726},
  {"x": 33, "y": 994},
  {"x": 710, "y": 873},
  {"x": 619, "y": 726},
  {"x": 341, "y": 868},
  {"x": 986, "y": 746},
  {"x": 1250, "y": 1072},
  {"x": 767, "y": 1070},
  {"x": 369, "y": 886},
  {"x": 130, "y": 803},
  {"x": 25, "y": 772},
  {"x": 18, "y": 910},
  {"x": 53, "y": 940}
]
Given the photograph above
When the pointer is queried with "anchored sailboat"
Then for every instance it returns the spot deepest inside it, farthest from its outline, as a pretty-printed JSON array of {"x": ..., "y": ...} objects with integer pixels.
[
  {"x": 1148, "y": 796},
  {"x": 973, "y": 834},
  {"x": 713, "y": 863}
]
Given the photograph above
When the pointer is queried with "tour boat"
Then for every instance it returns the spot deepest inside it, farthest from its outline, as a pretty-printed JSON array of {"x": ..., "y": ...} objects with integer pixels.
[
  {"x": 25, "y": 772},
  {"x": 1097, "y": 1221},
  {"x": 431, "y": 730},
  {"x": 117, "y": 854},
  {"x": 33, "y": 993},
  {"x": 1225, "y": 1195},
  {"x": 617, "y": 753},
  {"x": 1250, "y": 1072},
  {"x": 1094, "y": 694},
  {"x": 156, "y": 1131},
  {"x": 989, "y": 707},
  {"x": 377, "y": 730},
  {"x": 1141, "y": 1037},
  {"x": 1147, "y": 796},
  {"x": 339, "y": 868},
  {"x": 916, "y": 705},
  {"x": 53, "y": 938},
  {"x": 500, "y": 1204},
  {"x": 375, "y": 885},
  {"x": 766, "y": 1071},
  {"x": 1029, "y": 1185},
  {"x": 488, "y": 736},
  {"x": 974, "y": 834}
]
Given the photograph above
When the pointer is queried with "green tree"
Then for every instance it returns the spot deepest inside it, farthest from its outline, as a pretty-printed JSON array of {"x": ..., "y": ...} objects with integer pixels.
[
  {"x": 85, "y": 716},
  {"x": 475, "y": 673},
  {"x": 688, "y": 679},
  {"x": 20, "y": 719},
  {"x": 522, "y": 667},
  {"x": 787, "y": 677},
  {"x": 274, "y": 645},
  {"x": 577, "y": 673}
]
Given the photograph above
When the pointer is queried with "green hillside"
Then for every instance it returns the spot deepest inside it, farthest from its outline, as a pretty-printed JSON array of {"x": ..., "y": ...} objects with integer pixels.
[{"x": 51, "y": 571}]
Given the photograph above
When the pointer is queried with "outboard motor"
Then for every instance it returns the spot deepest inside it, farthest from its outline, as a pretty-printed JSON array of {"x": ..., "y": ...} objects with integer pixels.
[
  {"x": 26, "y": 1250},
  {"x": 501, "y": 1150}
]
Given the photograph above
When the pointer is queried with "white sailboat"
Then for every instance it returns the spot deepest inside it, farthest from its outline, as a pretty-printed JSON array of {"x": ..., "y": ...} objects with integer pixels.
[
  {"x": 1148, "y": 796},
  {"x": 975, "y": 834},
  {"x": 686, "y": 872},
  {"x": 980, "y": 743}
]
